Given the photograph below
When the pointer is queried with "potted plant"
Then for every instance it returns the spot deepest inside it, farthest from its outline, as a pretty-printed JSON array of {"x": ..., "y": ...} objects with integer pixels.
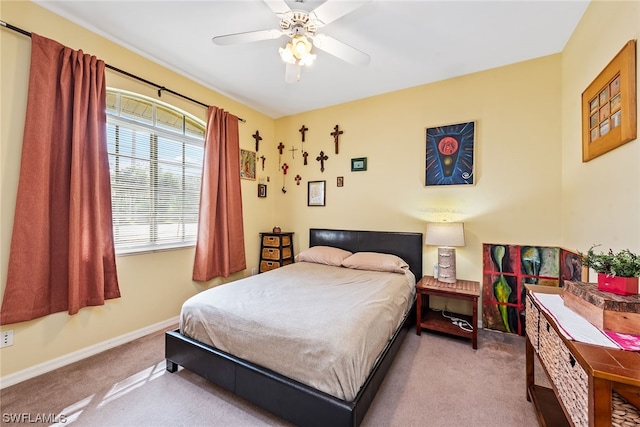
[{"x": 617, "y": 272}]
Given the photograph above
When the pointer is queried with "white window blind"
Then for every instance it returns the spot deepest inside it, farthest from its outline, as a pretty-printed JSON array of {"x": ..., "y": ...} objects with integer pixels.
[{"x": 155, "y": 163}]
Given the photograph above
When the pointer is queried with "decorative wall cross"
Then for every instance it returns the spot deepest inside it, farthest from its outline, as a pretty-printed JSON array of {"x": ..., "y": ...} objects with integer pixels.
[
  {"x": 293, "y": 152},
  {"x": 258, "y": 138},
  {"x": 336, "y": 133},
  {"x": 263, "y": 158},
  {"x": 302, "y": 130},
  {"x": 305, "y": 155},
  {"x": 284, "y": 168},
  {"x": 280, "y": 148},
  {"x": 321, "y": 158},
  {"x": 298, "y": 178}
]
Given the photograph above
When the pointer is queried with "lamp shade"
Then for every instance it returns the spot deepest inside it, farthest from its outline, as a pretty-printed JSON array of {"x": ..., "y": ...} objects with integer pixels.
[{"x": 444, "y": 234}]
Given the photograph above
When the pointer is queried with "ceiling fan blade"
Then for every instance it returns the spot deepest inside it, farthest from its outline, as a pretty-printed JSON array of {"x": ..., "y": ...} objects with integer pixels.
[
  {"x": 340, "y": 50},
  {"x": 330, "y": 11},
  {"x": 248, "y": 37},
  {"x": 292, "y": 73},
  {"x": 279, "y": 7}
]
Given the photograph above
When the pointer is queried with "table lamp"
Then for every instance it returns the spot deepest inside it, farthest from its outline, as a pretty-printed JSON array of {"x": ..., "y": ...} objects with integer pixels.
[{"x": 445, "y": 235}]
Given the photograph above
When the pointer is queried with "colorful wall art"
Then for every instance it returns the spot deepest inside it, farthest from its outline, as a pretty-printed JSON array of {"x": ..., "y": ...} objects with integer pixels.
[
  {"x": 247, "y": 164},
  {"x": 507, "y": 268},
  {"x": 449, "y": 154}
]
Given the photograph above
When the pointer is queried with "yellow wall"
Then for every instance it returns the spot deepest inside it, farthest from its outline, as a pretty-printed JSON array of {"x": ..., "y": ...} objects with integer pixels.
[
  {"x": 531, "y": 186},
  {"x": 518, "y": 122},
  {"x": 601, "y": 198}
]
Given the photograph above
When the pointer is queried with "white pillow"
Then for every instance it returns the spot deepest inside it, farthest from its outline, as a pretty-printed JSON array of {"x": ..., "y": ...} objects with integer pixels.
[
  {"x": 323, "y": 255},
  {"x": 375, "y": 261}
]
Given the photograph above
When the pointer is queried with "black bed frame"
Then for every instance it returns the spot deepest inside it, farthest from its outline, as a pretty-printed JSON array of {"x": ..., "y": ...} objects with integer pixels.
[{"x": 284, "y": 397}]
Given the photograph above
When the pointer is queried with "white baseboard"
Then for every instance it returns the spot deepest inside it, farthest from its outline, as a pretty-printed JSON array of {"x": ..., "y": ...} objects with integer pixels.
[{"x": 42, "y": 368}]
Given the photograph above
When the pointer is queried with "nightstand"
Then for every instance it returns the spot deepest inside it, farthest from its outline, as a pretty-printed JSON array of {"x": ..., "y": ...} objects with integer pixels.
[
  {"x": 429, "y": 319},
  {"x": 276, "y": 250}
]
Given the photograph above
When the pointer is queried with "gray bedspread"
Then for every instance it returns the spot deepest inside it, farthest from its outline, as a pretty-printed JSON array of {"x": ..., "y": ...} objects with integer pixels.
[{"x": 323, "y": 326}]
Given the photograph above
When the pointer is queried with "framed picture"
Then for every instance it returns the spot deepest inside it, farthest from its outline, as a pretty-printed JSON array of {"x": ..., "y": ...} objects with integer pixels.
[
  {"x": 316, "y": 193},
  {"x": 609, "y": 117},
  {"x": 340, "y": 181},
  {"x": 450, "y": 154},
  {"x": 247, "y": 164},
  {"x": 359, "y": 164},
  {"x": 262, "y": 190}
]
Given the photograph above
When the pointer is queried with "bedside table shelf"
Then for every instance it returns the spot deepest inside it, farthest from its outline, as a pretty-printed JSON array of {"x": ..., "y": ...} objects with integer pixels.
[{"x": 433, "y": 320}]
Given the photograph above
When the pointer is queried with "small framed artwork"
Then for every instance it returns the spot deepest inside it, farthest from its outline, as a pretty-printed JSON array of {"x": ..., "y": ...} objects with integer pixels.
[
  {"x": 359, "y": 164},
  {"x": 609, "y": 117},
  {"x": 247, "y": 164},
  {"x": 340, "y": 181},
  {"x": 450, "y": 154},
  {"x": 262, "y": 190},
  {"x": 316, "y": 195}
]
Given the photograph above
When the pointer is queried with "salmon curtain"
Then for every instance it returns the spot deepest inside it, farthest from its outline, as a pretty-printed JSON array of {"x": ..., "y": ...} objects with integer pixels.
[
  {"x": 62, "y": 255},
  {"x": 220, "y": 245}
]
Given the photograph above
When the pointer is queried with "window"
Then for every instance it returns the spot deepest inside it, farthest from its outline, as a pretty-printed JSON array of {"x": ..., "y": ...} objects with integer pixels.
[{"x": 155, "y": 162}]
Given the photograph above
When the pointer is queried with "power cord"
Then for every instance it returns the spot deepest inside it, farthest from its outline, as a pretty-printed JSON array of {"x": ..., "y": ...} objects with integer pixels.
[{"x": 461, "y": 323}]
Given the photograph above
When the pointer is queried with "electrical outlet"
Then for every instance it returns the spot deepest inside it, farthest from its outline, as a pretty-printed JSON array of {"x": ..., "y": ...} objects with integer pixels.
[
  {"x": 254, "y": 271},
  {"x": 6, "y": 338}
]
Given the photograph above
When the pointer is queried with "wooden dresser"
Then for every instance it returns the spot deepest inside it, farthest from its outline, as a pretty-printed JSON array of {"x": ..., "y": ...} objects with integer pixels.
[
  {"x": 591, "y": 385},
  {"x": 276, "y": 250}
]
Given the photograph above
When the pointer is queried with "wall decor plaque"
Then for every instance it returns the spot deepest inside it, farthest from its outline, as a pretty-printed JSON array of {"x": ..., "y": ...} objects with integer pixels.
[{"x": 609, "y": 117}]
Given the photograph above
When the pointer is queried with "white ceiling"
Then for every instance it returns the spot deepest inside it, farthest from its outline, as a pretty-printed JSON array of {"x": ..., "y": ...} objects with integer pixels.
[{"x": 410, "y": 43}]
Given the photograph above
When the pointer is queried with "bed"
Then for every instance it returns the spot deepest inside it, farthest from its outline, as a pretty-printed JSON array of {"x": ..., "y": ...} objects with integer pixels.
[{"x": 294, "y": 400}]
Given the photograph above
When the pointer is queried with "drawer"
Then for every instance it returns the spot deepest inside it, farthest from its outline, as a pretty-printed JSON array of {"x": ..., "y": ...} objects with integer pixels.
[
  {"x": 268, "y": 265},
  {"x": 573, "y": 386},
  {"x": 286, "y": 252},
  {"x": 271, "y": 241},
  {"x": 286, "y": 240},
  {"x": 548, "y": 347},
  {"x": 271, "y": 253},
  {"x": 532, "y": 317},
  {"x": 287, "y": 261}
]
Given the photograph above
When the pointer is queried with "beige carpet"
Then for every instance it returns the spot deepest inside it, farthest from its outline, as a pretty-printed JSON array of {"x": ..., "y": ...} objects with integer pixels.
[{"x": 434, "y": 381}]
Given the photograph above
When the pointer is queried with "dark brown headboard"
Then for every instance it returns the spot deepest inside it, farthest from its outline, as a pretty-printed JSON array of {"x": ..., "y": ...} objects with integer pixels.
[{"x": 407, "y": 246}]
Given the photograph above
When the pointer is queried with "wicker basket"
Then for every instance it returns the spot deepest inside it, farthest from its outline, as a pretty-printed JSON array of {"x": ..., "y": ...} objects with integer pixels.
[
  {"x": 532, "y": 314},
  {"x": 573, "y": 386},
  {"x": 623, "y": 414},
  {"x": 548, "y": 344}
]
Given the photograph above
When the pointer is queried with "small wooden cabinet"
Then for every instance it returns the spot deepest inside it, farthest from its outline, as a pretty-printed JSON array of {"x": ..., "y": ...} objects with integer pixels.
[
  {"x": 429, "y": 319},
  {"x": 276, "y": 250}
]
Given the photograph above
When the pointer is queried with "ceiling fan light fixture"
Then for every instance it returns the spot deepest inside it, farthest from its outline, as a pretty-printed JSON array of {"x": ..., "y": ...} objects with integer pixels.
[
  {"x": 301, "y": 46},
  {"x": 307, "y": 59},
  {"x": 286, "y": 53},
  {"x": 297, "y": 51}
]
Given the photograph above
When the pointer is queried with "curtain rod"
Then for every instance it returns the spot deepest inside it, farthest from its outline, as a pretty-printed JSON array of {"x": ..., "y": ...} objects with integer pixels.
[{"x": 118, "y": 70}]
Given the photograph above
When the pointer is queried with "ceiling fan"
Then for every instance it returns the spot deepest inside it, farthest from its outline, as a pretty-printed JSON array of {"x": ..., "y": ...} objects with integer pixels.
[{"x": 301, "y": 28}]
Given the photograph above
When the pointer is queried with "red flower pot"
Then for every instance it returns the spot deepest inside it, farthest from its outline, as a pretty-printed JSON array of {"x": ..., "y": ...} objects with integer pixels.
[{"x": 618, "y": 285}]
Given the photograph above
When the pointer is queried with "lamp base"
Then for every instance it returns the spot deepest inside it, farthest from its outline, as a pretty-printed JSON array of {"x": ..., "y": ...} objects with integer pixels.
[{"x": 447, "y": 265}]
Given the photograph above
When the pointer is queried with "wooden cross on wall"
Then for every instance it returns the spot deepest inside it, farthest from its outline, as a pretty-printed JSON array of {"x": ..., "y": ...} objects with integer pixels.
[
  {"x": 293, "y": 152},
  {"x": 302, "y": 130},
  {"x": 258, "y": 138},
  {"x": 298, "y": 178},
  {"x": 336, "y": 133},
  {"x": 305, "y": 155},
  {"x": 321, "y": 158},
  {"x": 263, "y": 158},
  {"x": 280, "y": 148}
]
